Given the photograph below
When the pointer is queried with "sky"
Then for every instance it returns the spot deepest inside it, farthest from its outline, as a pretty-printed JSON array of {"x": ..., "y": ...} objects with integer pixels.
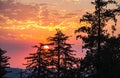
[{"x": 25, "y": 23}]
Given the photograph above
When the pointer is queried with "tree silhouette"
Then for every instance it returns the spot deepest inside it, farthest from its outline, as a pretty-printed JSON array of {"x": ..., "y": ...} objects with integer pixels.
[
  {"x": 65, "y": 54},
  {"x": 99, "y": 56},
  {"x": 38, "y": 62},
  {"x": 3, "y": 63}
]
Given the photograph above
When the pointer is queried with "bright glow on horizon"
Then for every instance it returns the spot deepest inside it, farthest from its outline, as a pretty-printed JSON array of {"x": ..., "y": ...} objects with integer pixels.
[{"x": 46, "y": 47}]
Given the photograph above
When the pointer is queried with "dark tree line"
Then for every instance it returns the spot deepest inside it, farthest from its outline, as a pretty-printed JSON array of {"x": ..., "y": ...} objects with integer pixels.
[
  {"x": 102, "y": 58},
  {"x": 53, "y": 63}
]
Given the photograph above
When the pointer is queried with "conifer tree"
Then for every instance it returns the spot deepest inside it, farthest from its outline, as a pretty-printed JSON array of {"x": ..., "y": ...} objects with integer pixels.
[
  {"x": 3, "y": 63},
  {"x": 64, "y": 52},
  {"x": 99, "y": 59},
  {"x": 38, "y": 62}
]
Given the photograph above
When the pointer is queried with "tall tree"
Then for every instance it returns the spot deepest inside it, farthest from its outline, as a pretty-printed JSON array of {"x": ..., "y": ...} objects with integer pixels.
[
  {"x": 3, "y": 63},
  {"x": 65, "y": 54},
  {"x": 98, "y": 61},
  {"x": 38, "y": 62}
]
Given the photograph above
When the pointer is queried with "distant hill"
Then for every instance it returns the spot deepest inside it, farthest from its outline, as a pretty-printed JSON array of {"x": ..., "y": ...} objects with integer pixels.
[{"x": 14, "y": 73}]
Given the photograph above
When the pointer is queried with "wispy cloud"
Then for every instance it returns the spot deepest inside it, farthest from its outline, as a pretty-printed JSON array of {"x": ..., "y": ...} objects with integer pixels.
[{"x": 23, "y": 21}]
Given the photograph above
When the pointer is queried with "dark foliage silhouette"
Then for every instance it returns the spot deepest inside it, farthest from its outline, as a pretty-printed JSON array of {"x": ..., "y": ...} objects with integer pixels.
[
  {"x": 38, "y": 62},
  {"x": 100, "y": 58},
  {"x": 3, "y": 63},
  {"x": 64, "y": 53}
]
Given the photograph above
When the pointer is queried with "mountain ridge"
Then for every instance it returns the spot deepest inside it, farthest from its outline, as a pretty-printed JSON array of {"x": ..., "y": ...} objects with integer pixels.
[{"x": 15, "y": 72}]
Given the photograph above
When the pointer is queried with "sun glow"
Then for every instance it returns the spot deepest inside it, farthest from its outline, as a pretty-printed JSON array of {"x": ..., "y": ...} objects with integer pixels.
[{"x": 46, "y": 47}]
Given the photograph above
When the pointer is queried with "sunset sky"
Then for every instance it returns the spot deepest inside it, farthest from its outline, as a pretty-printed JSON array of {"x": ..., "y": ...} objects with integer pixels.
[{"x": 25, "y": 23}]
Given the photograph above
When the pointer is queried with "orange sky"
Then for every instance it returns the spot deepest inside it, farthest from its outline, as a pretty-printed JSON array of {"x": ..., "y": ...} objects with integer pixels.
[{"x": 25, "y": 23}]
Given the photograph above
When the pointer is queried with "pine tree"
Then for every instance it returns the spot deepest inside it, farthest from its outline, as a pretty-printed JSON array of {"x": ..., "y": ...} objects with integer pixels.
[
  {"x": 38, "y": 62},
  {"x": 3, "y": 63},
  {"x": 64, "y": 52},
  {"x": 99, "y": 57}
]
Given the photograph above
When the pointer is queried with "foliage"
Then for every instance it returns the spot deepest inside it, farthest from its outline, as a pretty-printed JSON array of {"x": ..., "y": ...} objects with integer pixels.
[
  {"x": 64, "y": 53},
  {"x": 3, "y": 63},
  {"x": 99, "y": 61},
  {"x": 38, "y": 62}
]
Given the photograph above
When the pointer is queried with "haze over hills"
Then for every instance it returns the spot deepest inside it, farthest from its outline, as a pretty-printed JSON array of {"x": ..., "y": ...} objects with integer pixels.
[{"x": 15, "y": 73}]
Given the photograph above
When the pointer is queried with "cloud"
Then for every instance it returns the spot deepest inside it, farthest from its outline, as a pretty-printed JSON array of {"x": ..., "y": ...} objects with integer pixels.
[
  {"x": 17, "y": 11},
  {"x": 21, "y": 21},
  {"x": 43, "y": 13}
]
